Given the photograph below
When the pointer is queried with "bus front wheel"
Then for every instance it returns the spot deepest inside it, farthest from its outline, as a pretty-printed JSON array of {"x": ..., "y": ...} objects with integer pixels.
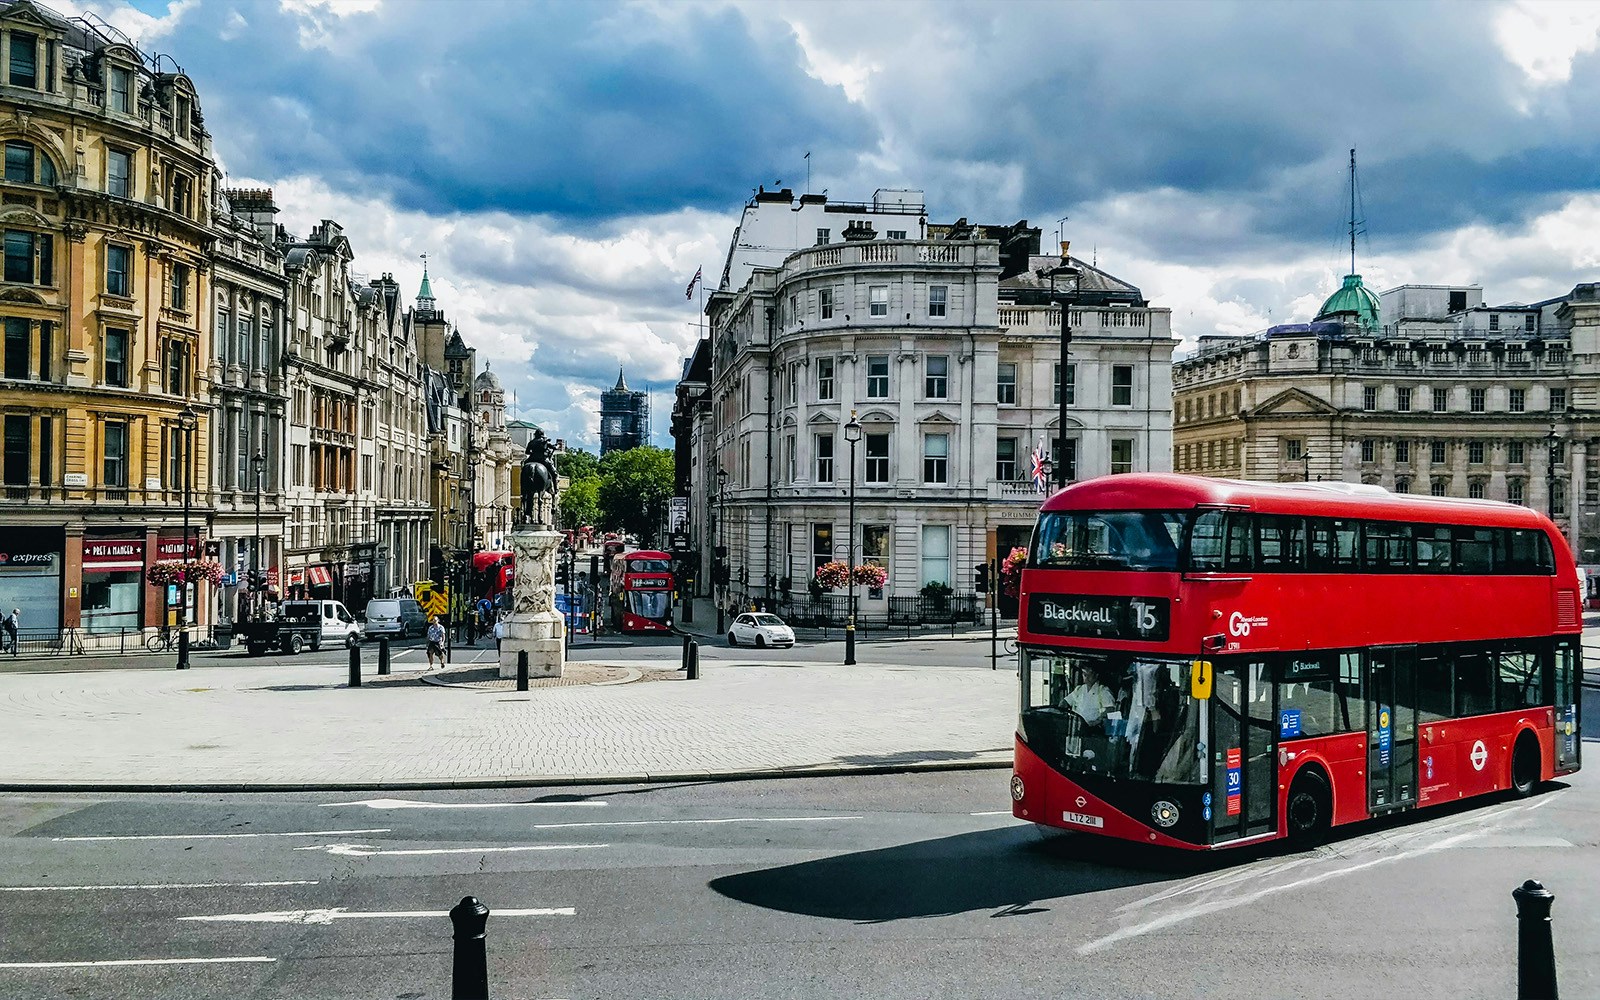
[
  {"x": 1309, "y": 808},
  {"x": 1525, "y": 765}
]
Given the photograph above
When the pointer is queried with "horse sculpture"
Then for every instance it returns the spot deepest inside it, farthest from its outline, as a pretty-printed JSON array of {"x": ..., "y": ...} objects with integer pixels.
[{"x": 538, "y": 479}]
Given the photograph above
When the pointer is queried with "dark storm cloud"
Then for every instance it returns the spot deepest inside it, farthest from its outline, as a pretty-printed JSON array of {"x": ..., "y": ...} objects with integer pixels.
[{"x": 578, "y": 110}]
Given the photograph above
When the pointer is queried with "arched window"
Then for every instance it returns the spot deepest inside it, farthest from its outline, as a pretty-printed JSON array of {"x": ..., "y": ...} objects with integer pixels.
[{"x": 26, "y": 164}]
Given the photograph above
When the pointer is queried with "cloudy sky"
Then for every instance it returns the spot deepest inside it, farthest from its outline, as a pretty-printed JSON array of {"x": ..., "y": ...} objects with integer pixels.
[{"x": 567, "y": 166}]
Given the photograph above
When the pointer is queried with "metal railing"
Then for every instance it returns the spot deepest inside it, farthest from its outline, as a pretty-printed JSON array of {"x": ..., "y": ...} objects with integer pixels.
[
  {"x": 35, "y": 642},
  {"x": 833, "y": 611}
]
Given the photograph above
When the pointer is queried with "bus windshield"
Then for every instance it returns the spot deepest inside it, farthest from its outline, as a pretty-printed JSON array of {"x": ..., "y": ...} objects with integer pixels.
[
  {"x": 1118, "y": 715},
  {"x": 654, "y": 604},
  {"x": 1111, "y": 539}
]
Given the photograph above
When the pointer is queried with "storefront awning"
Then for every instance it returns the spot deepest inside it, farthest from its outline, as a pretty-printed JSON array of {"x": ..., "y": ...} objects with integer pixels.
[{"x": 319, "y": 576}]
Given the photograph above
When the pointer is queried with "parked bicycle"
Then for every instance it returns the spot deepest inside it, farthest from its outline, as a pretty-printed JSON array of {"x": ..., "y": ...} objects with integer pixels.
[{"x": 163, "y": 641}]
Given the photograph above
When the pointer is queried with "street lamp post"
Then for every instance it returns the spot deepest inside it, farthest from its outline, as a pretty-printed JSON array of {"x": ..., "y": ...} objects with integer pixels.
[
  {"x": 1305, "y": 476},
  {"x": 1063, "y": 290},
  {"x": 852, "y": 434},
  {"x": 187, "y": 421},
  {"x": 719, "y": 572},
  {"x": 1551, "y": 440},
  {"x": 258, "y": 575}
]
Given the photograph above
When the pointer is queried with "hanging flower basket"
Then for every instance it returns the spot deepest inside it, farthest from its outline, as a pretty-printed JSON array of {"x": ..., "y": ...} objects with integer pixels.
[
  {"x": 833, "y": 575},
  {"x": 870, "y": 575},
  {"x": 163, "y": 573},
  {"x": 1011, "y": 570}
]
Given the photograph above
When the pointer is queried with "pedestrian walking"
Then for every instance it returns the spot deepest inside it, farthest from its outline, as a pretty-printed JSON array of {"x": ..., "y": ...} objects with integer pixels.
[
  {"x": 13, "y": 622},
  {"x": 435, "y": 641},
  {"x": 499, "y": 632}
]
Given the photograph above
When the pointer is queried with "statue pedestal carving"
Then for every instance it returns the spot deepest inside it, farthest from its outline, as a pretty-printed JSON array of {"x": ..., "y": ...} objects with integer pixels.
[{"x": 533, "y": 623}]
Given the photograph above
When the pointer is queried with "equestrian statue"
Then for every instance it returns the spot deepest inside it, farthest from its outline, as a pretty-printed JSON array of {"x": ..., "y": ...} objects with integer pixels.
[{"x": 538, "y": 479}]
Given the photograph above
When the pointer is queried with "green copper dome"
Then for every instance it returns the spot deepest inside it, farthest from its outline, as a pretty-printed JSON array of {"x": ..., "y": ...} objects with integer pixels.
[
  {"x": 1354, "y": 301},
  {"x": 426, "y": 291}
]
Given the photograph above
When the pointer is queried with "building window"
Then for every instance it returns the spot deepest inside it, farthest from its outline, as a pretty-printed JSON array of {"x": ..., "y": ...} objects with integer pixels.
[
  {"x": 1005, "y": 459},
  {"x": 878, "y": 377},
  {"x": 791, "y": 389},
  {"x": 936, "y": 380},
  {"x": 938, "y": 296},
  {"x": 1402, "y": 485},
  {"x": 789, "y": 457},
  {"x": 1005, "y": 383},
  {"x": 824, "y": 378},
  {"x": 822, "y": 237},
  {"x": 1368, "y": 449},
  {"x": 1475, "y": 489},
  {"x": 182, "y": 199},
  {"x": 19, "y": 163},
  {"x": 1474, "y": 452},
  {"x": 936, "y": 458},
  {"x": 1515, "y": 453},
  {"x": 116, "y": 357},
  {"x": 118, "y": 262},
  {"x": 174, "y": 457},
  {"x": 1294, "y": 450},
  {"x": 17, "y": 450},
  {"x": 1555, "y": 355},
  {"x": 1476, "y": 400},
  {"x": 1515, "y": 491},
  {"x": 1121, "y": 455},
  {"x": 1436, "y": 452},
  {"x": 935, "y": 554},
  {"x": 245, "y": 340},
  {"x": 47, "y": 348},
  {"x": 24, "y": 60},
  {"x": 180, "y": 287},
  {"x": 1519, "y": 400},
  {"x": 177, "y": 368},
  {"x": 1402, "y": 452},
  {"x": 821, "y": 546},
  {"x": 1121, "y": 385},
  {"x": 1558, "y": 399},
  {"x": 180, "y": 116},
  {"x": 115, "y": 467},
  {"x": 825, "y": 302},
  {"x": 877, "y": 458},
  {"x": 1369, "y": 398},
  {"x": 119, "y": 168},
  {"x": 878, "y": 300},
  {"x": 1494, "y": 321},
  {"x": 1441, "y": 400},
  {"x": 824, "y": 451},
  {"x": 1558, "y": 498},
  {"x": 19, "y": 337},
  {"x": 1402, "y": 399},
  {"x": 875, "y": 544},
  {"x": 1072, "y": 384},
  {"x": 121, "y": 90},
  {"x": 30, "y": 257},
  {"x": 1558, "y": 451},
  {"x": 1436, "y": 487}
]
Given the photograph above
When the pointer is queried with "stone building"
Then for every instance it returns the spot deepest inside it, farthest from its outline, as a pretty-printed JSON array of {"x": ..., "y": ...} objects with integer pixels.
[
  {"x": 624, "y": 417},
  {"x": 107, "y": 326},
  {"x": 1424, "y": 389},
  {"x": 500, "y": 463}
]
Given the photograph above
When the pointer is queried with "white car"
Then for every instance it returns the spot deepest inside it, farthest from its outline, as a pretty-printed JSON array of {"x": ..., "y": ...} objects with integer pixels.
[{"x": 760, "y": 630}]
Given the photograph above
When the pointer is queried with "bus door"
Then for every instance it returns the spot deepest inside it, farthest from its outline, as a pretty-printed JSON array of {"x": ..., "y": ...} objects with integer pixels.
[
  {"x": 1391, "y": 728},
  {"x": 1567, "y": 677},
  {"x": 1244, "y": 750}
]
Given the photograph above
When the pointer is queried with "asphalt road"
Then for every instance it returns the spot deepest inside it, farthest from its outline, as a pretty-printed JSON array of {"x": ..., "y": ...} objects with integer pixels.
[{"x": 875, "y": 887}]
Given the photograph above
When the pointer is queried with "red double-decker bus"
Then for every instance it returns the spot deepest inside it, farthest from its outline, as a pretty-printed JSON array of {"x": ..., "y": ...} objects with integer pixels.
[
  {"x": 492, "y": 575},
  {"x": 1207, "y": 663},
  {"x": 641, "y": 591}
]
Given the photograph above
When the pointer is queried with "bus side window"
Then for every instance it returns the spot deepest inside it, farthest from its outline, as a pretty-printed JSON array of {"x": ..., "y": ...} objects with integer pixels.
[
  {"x": 1433, "y": 548},
  {"x": 1388, "y": 547},
  {"x": 1473, "y": 550},
  {"x": 1520, "y": 680},
  {"x": 1474, "y": 685},
  {"x": 1308, "y": 697},
  {"x": 1240, "y": 553},
  {"x": 1280, "y": 542},
  {"x": 1335, "y": 546},
  {"x": 1205, "y": 542},
  {"x": 1435, "y": 676},
  {"x": 1353, "y": 707},
  {"x": 1522, "y": 552}
]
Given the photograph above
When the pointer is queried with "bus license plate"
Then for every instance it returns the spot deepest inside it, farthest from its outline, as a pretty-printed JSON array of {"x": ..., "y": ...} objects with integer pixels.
[{"x": 1083, "y": 819}]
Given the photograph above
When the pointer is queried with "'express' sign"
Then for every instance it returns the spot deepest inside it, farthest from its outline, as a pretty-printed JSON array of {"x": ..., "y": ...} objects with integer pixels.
[{"x": 1144, "y": 619}]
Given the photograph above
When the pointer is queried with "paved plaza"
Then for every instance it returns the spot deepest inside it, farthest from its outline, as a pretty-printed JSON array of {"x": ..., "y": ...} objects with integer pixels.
[{"x": 298, "y": 725}]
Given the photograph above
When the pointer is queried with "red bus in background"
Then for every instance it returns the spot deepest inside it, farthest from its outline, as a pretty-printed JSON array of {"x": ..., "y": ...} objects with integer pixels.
[
  {"x": 492, "y": 574},
  {"x": 1207, "y": 663},
  {"x": 641, "y": 591}
]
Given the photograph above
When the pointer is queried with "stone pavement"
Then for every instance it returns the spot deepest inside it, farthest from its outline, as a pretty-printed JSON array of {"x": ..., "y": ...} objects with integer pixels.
[{"x": 298, "y": 726}]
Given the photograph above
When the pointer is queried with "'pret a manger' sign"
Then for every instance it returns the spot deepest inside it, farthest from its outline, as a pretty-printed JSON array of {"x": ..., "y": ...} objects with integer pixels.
[{"x": 1100, "y": 616}]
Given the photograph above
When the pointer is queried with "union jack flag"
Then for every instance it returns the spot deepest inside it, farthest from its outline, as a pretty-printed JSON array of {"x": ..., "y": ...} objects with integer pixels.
[
  {"x": 688, "y": 293},
  {"x": 1037, "y": 471}
]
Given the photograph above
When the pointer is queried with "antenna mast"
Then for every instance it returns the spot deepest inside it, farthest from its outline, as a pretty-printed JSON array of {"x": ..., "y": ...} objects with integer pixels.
[{"x": 1352, "y": 210}]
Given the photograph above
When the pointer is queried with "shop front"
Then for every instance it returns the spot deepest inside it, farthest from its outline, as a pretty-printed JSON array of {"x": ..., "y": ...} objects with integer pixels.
[
  {"x": 30, "y": 575},
  {"x": 113, "y": 583}
]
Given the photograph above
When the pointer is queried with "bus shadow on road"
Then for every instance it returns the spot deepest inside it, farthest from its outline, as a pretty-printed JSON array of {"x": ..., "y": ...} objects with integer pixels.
[{"x": 1011, "y": 870}]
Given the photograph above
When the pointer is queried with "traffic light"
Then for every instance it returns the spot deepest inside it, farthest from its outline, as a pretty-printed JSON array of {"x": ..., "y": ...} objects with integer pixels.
[
  {"x": 980, "y": 578},
  {"x": 562, "y": 577}
]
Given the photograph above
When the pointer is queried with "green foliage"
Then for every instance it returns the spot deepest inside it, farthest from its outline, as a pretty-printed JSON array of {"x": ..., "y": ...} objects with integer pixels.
[
  {"x": 577, "y": 464},
  {"x": 935, "y": 590},
  {"x": 580, "y": 502},
  {"x": 634, "y": 488}
]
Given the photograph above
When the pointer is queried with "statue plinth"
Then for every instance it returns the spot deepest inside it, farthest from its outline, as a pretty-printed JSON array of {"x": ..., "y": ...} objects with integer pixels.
[{"x": 533, "y": 623}]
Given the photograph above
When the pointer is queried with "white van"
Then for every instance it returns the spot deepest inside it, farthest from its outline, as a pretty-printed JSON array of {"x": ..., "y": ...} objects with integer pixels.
[{"x": 338, "y": 624}]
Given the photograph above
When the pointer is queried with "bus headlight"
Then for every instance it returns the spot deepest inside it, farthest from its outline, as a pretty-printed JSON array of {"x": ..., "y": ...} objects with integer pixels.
[
  {"x": 1017, "y": 791},
  {"x": 1164, "y": 813}
]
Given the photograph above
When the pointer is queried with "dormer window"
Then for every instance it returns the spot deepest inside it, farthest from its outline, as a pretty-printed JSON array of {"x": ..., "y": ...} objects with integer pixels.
[
  {"x": 180, "y": 116},
  {"x": 182, "y": 200},
  {"x": 121, "y": 90},
  {"x": 24, "y": 61}
]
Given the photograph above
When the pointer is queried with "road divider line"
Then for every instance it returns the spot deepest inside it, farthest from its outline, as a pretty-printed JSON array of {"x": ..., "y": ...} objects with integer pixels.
[
  {"x": 367, "y": 850},
  {"x": 993, "y": 812},
  {"x": 415, "y": 804},
  {"x": 232, "y": 960},
  {"x": 218, "y": 836},
  {"x": 328, "y": 916},
  {"x": 156, "y": 885},
  {"x": 692, "y": 822}
]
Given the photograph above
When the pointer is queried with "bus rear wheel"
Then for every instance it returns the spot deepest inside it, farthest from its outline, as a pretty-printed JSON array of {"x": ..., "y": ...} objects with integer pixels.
[
  {"x": 1525, "y": 766},
  {"x": 1309, "y": 807}
]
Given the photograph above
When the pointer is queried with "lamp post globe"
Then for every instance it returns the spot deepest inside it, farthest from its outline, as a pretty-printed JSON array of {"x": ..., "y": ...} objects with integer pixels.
[{"x": 852, "y": 434}]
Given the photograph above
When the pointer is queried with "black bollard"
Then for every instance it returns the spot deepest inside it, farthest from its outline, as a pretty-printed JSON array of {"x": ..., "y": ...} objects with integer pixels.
[
  {"x": 687, "y": 639},
  {"x": 692, "y": 668},
  {"x": 383, "y": 655},
  {"x": 355, "y": 665},
  {"x": 522, "y": 670},
  {"x": 183, "y": 649},
  {"x": 469, "y": 974},
  {"x": 1536, "y": 953}
]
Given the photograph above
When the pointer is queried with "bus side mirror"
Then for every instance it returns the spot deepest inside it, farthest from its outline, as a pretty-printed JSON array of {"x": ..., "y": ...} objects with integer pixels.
[{"x": 1200, "y": 680}]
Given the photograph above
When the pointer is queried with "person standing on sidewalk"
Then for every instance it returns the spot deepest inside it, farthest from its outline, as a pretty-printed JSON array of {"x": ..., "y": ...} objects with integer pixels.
[
  {"x": 435, "y": 641},
  {"x": 13, "y": 622}
]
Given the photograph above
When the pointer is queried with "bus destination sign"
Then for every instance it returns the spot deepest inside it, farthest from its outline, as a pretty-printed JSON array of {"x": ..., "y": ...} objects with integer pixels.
[{"x": 1100, "y": 616}]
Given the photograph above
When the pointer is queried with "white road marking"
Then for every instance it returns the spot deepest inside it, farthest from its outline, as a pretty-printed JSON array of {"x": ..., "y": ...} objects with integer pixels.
[
  {"x": 166, "y": 885},
  {"x": 367, "y": 850},
  {"x": 219, "y": 836},
  {"x": 994, "y": 812},
  {"x": 137, "y": 961},
  {"x": 328, "y": 916},
  {"x": 693, "y": 822},
  {"x": 414, "y": 804}
]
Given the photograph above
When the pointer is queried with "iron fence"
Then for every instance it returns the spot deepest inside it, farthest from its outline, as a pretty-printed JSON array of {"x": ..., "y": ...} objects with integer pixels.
[{"x": 80, "y": 642}]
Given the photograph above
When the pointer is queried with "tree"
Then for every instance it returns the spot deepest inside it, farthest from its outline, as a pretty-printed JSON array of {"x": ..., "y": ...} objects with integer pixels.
[
  {"x": 576, "y": 465},
  {"x": 580, "y": 502},
  {"x": 634, "y": 488}
]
